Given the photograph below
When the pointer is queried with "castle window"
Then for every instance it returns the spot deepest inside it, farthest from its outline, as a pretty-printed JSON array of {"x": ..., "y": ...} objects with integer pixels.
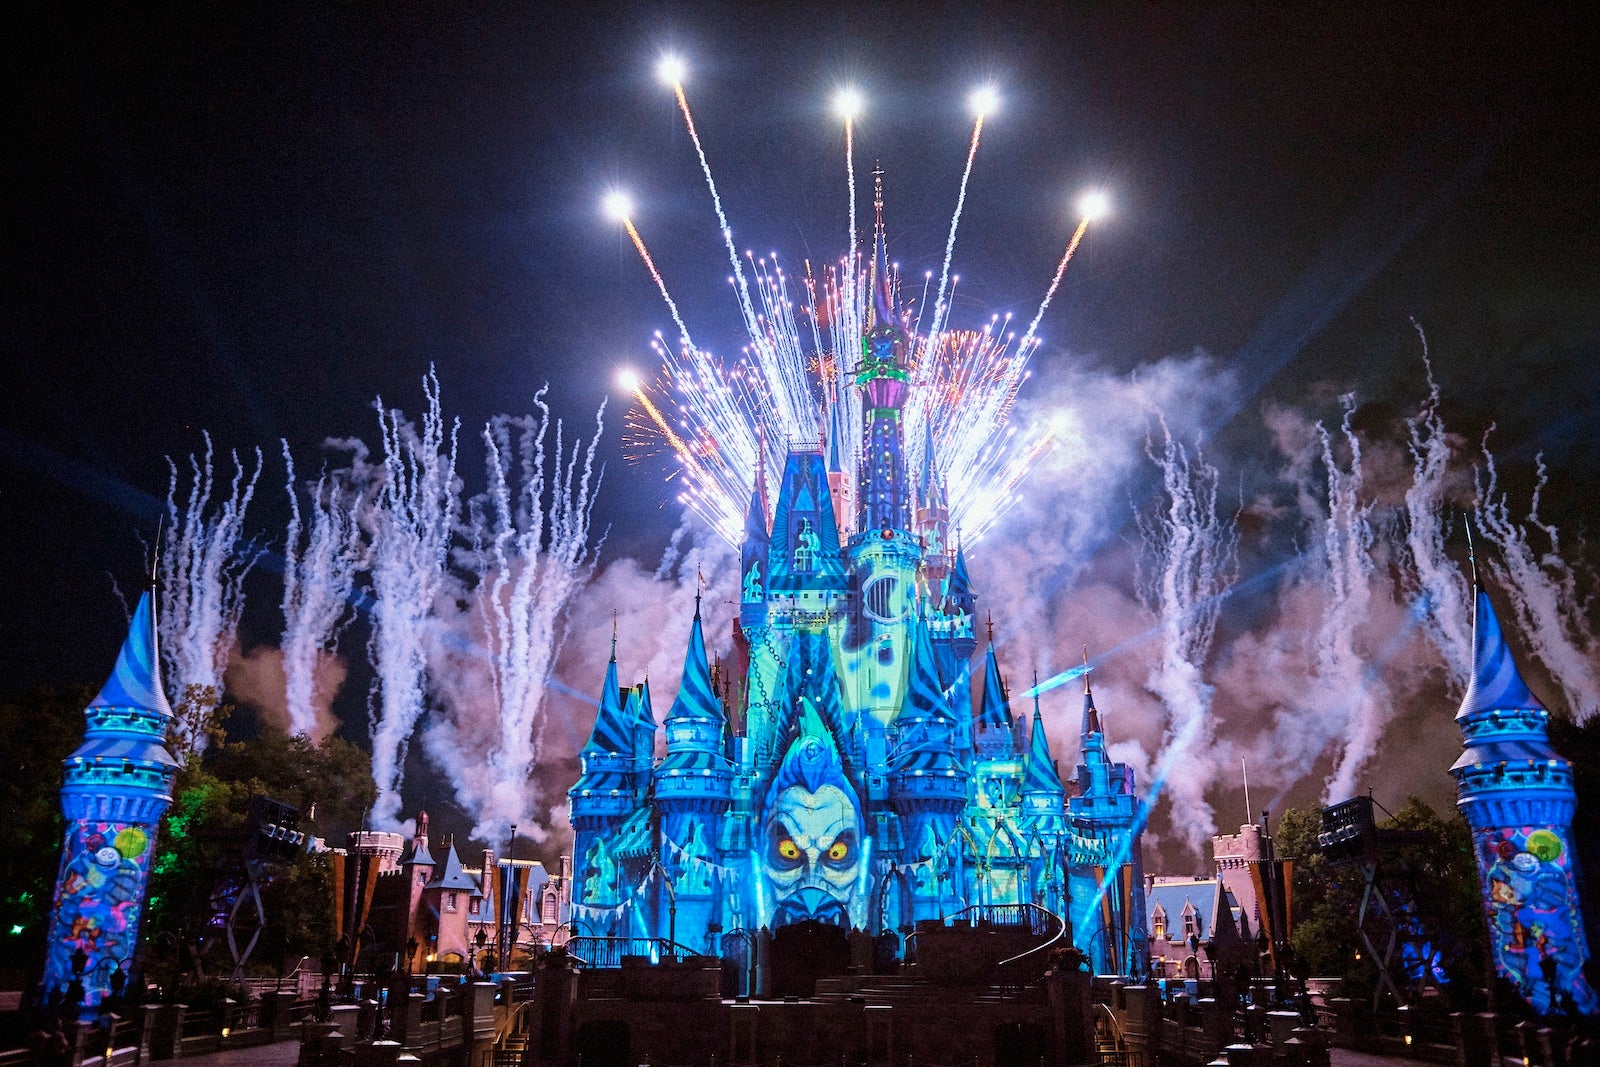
[
  {"x": 1191, "y": 925},
  {"x": 450, "y": 901},
  {"x": 1159, "y": 920}
]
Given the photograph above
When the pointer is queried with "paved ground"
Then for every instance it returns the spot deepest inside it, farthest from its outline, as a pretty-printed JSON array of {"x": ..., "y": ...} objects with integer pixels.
[
  {"x": 1343, "y": 1057},
  {"x": 282, "y": 1054}
]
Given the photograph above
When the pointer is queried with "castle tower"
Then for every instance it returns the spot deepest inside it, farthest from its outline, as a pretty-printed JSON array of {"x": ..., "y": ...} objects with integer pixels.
[
  {"x": 1516, "y": 793},
  {"x": 118, "y": 784},
  {"x": 1107, "y": 869},
  {"x": 996, "y": 734},
  {"x": 418, "y": 865},
  {"x": 446, "y": 900},
  {"x": 927, "y": 779},
  {"x": 693, "y": 789},
  {"x": 606, "y": 793},
  {"x": 884, "y": 376}
]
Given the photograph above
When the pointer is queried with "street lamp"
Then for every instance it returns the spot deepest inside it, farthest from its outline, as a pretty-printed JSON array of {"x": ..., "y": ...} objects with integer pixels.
[{"x": 481, "y": 939}]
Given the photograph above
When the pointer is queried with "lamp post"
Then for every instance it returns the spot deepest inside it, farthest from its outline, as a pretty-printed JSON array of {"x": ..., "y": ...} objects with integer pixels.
[{"x": 481, "y": 939}]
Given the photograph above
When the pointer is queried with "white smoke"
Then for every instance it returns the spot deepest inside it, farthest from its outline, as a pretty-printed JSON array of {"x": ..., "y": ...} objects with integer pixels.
[
  {"x": 204, "y": 560},
  {"x": 1192, "y": 553},
  {"x": 1543, "y": 589},
  {"x": 529, "y": 556},
  {"x": 319, "y": 572},
  {"x": 411, "y": 524}
]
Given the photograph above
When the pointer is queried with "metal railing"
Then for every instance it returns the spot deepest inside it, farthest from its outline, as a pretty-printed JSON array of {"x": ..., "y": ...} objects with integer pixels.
[
  {"x": 607, "y": 952},
  {"x": 1036, "y": 919}
]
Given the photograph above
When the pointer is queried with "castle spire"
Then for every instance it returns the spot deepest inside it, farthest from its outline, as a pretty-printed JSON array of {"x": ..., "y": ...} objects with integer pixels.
[
  {"x": 1042, "y": 775},
  {"x": 1496, "y": 684}
]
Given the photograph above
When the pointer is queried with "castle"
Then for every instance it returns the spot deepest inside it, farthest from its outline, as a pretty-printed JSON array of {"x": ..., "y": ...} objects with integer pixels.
[{"x": 848, "y": 764}]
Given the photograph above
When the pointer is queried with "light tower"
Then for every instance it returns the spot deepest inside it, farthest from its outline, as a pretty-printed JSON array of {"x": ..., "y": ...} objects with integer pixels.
[
  {"x": 1516, "y": 793},
  {"x": 118, "y": 784}
]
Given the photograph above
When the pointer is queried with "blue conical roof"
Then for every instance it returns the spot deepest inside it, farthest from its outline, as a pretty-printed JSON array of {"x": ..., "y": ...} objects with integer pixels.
[
  {"x": 612, "y": 731},
  {"x": 925, "y": 696},
  {"x": 1496, "y": 684},
  {"x": 696, "y": 699},
  {"x": 995, "y": 709},
  {"x": 135, "y": 681},
  {"x": 1042, "y": 776}
]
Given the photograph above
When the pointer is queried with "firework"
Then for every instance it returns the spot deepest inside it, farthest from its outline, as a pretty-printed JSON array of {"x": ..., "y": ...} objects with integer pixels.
[{"x": 789, "y": 386}]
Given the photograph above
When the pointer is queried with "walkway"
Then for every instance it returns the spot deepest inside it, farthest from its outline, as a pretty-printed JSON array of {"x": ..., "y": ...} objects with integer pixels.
[{"x": 281, "y": 1054}]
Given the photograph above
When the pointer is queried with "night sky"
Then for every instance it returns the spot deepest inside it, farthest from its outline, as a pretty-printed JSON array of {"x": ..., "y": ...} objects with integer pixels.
[{"x": 253, "y": 221}]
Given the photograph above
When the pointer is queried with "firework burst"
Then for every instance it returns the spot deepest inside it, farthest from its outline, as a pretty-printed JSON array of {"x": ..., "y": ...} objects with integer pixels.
[{"x": 789, "y": 387}]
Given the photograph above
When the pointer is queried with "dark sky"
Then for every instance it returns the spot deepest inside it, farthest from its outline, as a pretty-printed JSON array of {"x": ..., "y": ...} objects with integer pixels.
[{"x": 253, "y": 219}]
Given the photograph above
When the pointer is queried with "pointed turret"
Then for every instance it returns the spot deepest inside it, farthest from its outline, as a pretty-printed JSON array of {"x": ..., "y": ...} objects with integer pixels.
[
  {"x": 696, "y": 770},
  {"x": 926, "y": 729},
  {"x": 1042, "y": 778},
  {"x": 753, "y": 556},
  {"x": 804, "y": 553},
  {"x": 417, "y": 854},
  {"x": 884, "y": 377},
  {"x": 451, "y": 875},
  {"x": 995, "y": 735},
  {"x": 606, "y": 786},
  {"x": 1517, "y": 794},
  {"x": 117, "y": 785}
]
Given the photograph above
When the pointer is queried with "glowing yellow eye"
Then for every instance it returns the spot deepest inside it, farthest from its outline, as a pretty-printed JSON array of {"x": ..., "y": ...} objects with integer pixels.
[
  {"x": 788, "y": 849},
  {"x": 839, "y": 851}
]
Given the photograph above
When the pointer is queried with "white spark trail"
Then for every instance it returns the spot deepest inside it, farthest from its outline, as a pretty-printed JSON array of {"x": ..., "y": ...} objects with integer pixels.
[
  {"x": 204, "y": 560},
  {"x": 530, "y": 557},
  {"x": 1192, "y": 552},
  {"x": 1543, "y": 590},
  {"x": 1361, "y": 706},
  {"x": 1430, "y": 573},
  {"x": 319, "y": 573},
  {"x": 940, "y": 312},
  {"x": 417, "y": 508}
]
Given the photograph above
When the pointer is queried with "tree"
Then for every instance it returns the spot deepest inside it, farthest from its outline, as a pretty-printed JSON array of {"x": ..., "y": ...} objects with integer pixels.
[
  {"x": 203, "y": 840},
  {"x": 38, "y": 729},
  {"x": 1435, "y": 869}
]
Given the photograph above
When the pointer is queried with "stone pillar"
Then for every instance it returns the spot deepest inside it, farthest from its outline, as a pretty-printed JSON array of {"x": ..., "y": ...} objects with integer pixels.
[
  {"x": 377, "y": 1054},
  {"x": 743, "y": 1035},
  {"x": 347, "y": 1020},
  {"x": 1281, "y": 1024},
  {"x": 880, "y": 1033},
  {"x": 480, "y": 1019},
  {"x": 166, "y": 1032},
  {"x": 1072, "y": 1013},
  {"x": 1344, "y": 1021},
  {"x": 1139, "y": 1007},
  {"x": 555, "y": 994},
  {"x": 1216, "y": 1021},
  {"x": 281, "y": 1003}
]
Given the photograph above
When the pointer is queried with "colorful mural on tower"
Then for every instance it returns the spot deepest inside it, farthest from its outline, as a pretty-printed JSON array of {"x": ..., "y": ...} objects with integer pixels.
[
  {"x": 1517, "y": 795},
  {"x": 117, "y": 784}
]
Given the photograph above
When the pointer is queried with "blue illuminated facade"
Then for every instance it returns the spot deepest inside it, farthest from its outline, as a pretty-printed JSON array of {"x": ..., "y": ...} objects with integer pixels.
[{"x": 848, "y": 763}]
